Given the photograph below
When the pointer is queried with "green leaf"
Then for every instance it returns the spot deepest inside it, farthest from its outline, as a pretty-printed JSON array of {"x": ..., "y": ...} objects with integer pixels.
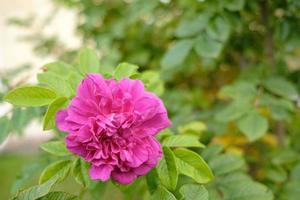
[
  {"x": 234, "y": 111},
  {"x": 30, "y": 96},
  {"x": 193, "y": 192},
  {"x": 219, "y": 29},
  {"x": 59, "y": 196},
  {"x": 4, "y": 128},
  {"x": 88, "y": 61},
  {"x": 253, "y": 125},
  {"x": 233, "y": 5},
  {"x": 36, "y": 191},
  {"x": 167, "y": 170},
  {"x": 80, "y": 172},
  {"x": 125, "y": 70},
  {"x": 281, "y": 87},
  {"x": 176, "y": 55},
  {"x": 152, "y": 82},
  {"x": 238, "y": 90},
  {"x": 247, "y": 190},
  {"x": 57, "y": 148},
  {"x": 190, "y": 27},
  {"x": 226, "y": 163},
  {"x": 182, "y": 141},
  {"x": 207, "y": 47},
  {"x": 192, "y": 128},
  {"x": 49, "y": 118},
  {"x": 57, "y": 83},
  {"x": 191, "y": 164},
  {"x": 162, "y": 194},
  {"x": 60, "y": 168},
  {"x": 152, "y": 181}
]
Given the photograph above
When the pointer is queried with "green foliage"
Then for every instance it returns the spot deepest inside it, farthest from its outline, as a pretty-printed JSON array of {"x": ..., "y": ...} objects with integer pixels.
[
  {"x": 30, "y": 96},
  {"x": 57, "y": 148},
  {"x": 167, "y": 169},
  {"x": 227, "y": 71},
  {"x": 191, "y": 164}
]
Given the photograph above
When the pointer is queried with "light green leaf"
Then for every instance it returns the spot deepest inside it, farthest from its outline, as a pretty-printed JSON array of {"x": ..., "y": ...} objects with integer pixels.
[
  {"x": 234, "y": 111},
  {"x": 193, "y": 192},
  {"x": 80, "y": 172},
  {"x": 124, "y": 70},
  {"x": 253, "y": 125},
  {"x": 60, "y": 168},
  {"x": 281, "y": 87},
  {"x": 30, "y": 96},
  {"x": 57, "y": 148},
  {"x": 37, "y": 191},
  {"x": 4, "y": 128},
  {"x": 167, "y": 170},
  {"x": 57, "y": 83},
  {"x": 49, "y": 118},
  {"x": 192, "y": 128},
  {"x": 58, "y": 68},
  {"x": 176, "y": 55},
  {"x": 152, "y": 82},
  {"x": 162, "y": 194},
  {"x": 238, "y": 90},
  {"x": 226, "y": 163},
  {"x": 88, "y": 61},
  {"x": 247, "y": 190},
  {"x": 182, "y": 141},
  {"x": 191, "y": 164},
  {"x": 190, "y": 27},
  {"x": 207, "y": 47},
  {"x": 233, "y": 5},
  {"x": 59, "y": 196}
]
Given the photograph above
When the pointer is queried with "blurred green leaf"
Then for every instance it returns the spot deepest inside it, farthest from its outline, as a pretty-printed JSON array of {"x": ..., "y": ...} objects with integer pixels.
[
  {"x": 59, "y": 196},
  {"x": 233, "y": 5},
  {"x": 253, "y": 125},
  {"x": 207, "y": 47},
  {"x": 176, "y": 55},
  {"x": 4, "y": 128},
  {"x": 226, "y": 163},
  {"x": 88, "y": 61},
  {"x": 281, "y": 87},
  {"x": 233, "y": 111},
  {"x": 190, "y": 27},
  {"x": 193, "y": 191}
]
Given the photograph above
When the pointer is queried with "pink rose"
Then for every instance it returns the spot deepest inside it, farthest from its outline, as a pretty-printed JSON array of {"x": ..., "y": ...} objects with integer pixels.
[{"x": 112, "y": 125}]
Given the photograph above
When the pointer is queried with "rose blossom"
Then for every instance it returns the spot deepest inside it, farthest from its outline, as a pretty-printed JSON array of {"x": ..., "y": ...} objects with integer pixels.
[{"x": 112, "y": 125}]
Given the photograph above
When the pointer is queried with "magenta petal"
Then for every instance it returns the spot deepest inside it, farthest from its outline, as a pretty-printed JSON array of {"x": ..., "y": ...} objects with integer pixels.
[
  {"x": 124, "y": 177},
  {"x": 101, "y": 173},
  {"x": 61, "y": 122}
]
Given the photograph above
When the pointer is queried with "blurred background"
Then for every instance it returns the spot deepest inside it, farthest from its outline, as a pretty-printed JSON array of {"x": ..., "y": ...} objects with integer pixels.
[{"x": 230, "y": 64}]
